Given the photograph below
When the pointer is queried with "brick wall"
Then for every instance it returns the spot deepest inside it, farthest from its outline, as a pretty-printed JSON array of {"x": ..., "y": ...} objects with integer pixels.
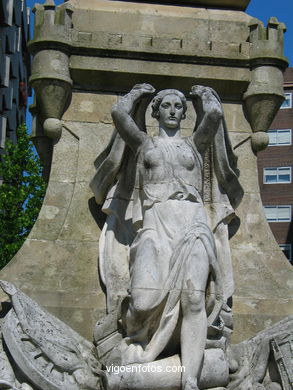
[{"x": 279, "y": 156}]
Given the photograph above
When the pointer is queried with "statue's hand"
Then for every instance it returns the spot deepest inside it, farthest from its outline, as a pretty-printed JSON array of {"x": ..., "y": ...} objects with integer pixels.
[
  {"x": 201, "y": 92},
  {"x": 144, "y": 89},
  {"x": 8, "y": 288},
  {"x": 205, "y": 99}
]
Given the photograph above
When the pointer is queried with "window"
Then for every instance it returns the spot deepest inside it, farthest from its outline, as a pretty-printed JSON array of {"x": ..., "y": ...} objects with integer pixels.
[
  {"x": 278, "y": 213},
  {"x": 277, "y": 175},
  {"x": 280, "y": 137},
  {"x": 287, "y": 103},
  {"x": 287, "y": 249}
]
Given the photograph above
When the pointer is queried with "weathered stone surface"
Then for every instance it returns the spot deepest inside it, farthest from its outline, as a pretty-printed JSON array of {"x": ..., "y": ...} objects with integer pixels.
[
  {"x": 64, "y": 169},
  {"x": 265, "y": 92},
  {"x": 235, "y": 118},
  {"x": 58, "y": 263},
  {"x": 247, "y": 165},
  {"x": 156, "y": 19},
  {"x": 52, "y": 128},
  {"x": 79, "y": 224},
  {"x": 260, "y": 273},
  {"x": 53, "y": 213},
  {"x": 259, "y": 264},
  {"x": 112, "y": 46},
  {"x": 45, "y": 351},
  {"x": 229, "y": 82},
  {"x": 40, "y": 349},
  {"x": 52, "y": 83},
  {"x": 90, "y": 107},
  {"x": 62, "y": 276},
  {"x": 241, "y": 4},
  {"x": 259, "y": 141},
  {"x": 91, "y": 138}
]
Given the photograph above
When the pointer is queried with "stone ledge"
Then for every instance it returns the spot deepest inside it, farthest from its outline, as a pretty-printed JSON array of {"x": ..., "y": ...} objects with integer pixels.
[
  {"x": 240, "y": 5},
  {"x": 119, "y": 75},
  {"x": 227, "y": 4},
  {"x": 163, "y": 45}
]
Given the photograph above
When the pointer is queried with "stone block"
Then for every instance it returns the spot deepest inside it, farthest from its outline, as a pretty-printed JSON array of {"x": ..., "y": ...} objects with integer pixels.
[
  {"x": 142, "y": 17},
  {"x": 255, "y": 267},
  {"x": 82, "y": 320},
  {"x": 254, "y": 232},
  {"x": 84, "y": 36},
  {"x": 247, "y": 161},
  {"x": 247, "y": 325},
  {"x": 241, "y": 4},
  {"x": 196, "y": 45},
  {"x": 63, "y": 277},
  {"x": 167, "y": 44},
  {"x": 79, "y": 223},
  {"x": 263, "y": 285},
  {"x": 93, "y": 138},
  {"x": 158, "y": 19},
  {"x": 53, "y": 212},
  {"x": 114, "y": 40},
  {"x": 229, "y": 82},
  {"x": 90, "y": 107},
  {"x": 65, "y": 158},
  {"x": 227, "y": 26},
  {"x": 235, "y": 117}
]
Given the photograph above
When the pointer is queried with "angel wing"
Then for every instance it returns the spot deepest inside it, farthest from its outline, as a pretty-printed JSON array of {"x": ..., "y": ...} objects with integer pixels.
[
  {"x": 49, "y": 353},
  {"x": 113, "y": 186}
]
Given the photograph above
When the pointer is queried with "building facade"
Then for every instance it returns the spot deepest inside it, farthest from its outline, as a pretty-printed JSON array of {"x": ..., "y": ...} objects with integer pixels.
[
  {"x": 14, "y": 67},
  {"x": 275, "y": 172}
]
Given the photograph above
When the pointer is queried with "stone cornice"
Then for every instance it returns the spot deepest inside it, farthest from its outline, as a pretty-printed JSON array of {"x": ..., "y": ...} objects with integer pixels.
[{"x": 240, "y": 5}]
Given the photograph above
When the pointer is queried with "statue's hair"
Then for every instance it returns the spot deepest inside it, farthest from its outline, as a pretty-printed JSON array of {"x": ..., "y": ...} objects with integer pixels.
[{"x": 157, "y": 100}]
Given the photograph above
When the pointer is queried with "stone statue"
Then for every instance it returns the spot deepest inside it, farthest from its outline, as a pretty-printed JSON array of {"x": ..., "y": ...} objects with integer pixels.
[
  {"x": 47, "y": 352},
  {"x": 154, "y": 202},
  {"x": 165, "y": 263},
  {"x": 38, "y": 351}
]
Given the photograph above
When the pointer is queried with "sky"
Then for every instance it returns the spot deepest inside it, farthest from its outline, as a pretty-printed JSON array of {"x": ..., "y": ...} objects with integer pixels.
[{"x": 283, "y": 10}]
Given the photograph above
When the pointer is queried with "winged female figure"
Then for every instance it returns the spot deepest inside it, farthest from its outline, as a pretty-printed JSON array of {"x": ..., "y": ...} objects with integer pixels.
[{"x": 158, "y": 235}]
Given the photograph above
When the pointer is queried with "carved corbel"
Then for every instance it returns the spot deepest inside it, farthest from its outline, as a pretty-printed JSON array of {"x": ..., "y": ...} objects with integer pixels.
[
  {"x": 264, "y": 95},
  {"x": 50, "y": 70}
]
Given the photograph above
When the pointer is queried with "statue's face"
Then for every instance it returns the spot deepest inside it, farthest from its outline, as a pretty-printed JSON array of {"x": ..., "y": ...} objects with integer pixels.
[{"x": 170, "y": 111}]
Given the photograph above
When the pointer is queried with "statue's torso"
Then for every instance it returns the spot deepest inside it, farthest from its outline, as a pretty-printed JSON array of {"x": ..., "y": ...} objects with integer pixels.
[{"x": 170, "y": 168}]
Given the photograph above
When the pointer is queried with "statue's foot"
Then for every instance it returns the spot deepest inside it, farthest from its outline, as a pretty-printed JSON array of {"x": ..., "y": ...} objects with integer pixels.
[
  {"x": 190, "y": 384},
  {"x": 25, "y": 386},
  {"x": 104, "y": 380},
  {"x": 110, "y": 381}
]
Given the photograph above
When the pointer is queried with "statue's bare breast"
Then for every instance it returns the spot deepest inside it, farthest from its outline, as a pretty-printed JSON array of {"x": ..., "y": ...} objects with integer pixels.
[{"x": 164, "y": 159}]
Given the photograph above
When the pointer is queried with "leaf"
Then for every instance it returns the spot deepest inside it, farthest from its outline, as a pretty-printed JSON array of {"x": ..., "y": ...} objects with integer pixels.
[{"x": 21, "y": 194}]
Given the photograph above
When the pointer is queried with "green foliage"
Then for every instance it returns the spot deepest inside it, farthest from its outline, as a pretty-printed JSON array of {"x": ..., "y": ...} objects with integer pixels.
[{"x": 21, "y": 194}]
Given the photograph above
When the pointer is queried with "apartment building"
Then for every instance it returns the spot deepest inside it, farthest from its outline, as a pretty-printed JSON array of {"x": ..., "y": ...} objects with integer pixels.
[
  {"x": 275, "y": 172},
  {"x": 14, "y": 67}
]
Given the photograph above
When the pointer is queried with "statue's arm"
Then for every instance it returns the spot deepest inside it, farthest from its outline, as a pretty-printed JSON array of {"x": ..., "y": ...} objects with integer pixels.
[
  {"x": 122, "y": 115},
  {"x": 209, "y": 114}
]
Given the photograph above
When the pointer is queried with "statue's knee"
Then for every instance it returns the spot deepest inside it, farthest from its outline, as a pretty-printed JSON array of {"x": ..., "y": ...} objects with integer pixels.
[
  {"x": 142, "y": 302},
  {"x": 192, "y": 302}
]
